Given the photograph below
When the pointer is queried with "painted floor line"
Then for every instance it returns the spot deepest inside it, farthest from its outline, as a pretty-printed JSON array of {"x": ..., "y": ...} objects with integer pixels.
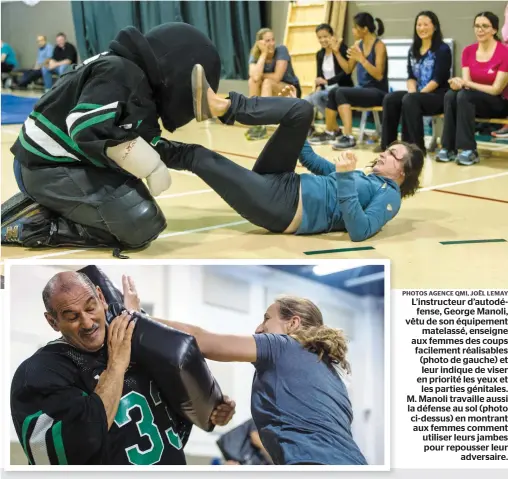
[
  {"x": 473, "y": 241},
  {"x": 471, "y": 196},
  {"x": 185, "y": 193},
  {"x": 463, "y": 182},
  {"x": 205, "y": 228},
  {"x": 339, "y": 250}
]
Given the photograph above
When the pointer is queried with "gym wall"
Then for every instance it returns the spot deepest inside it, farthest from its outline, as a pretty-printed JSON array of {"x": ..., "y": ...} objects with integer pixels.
[
  {"x": 21, "y": 24},
  {"x": 456, "y": 19}
]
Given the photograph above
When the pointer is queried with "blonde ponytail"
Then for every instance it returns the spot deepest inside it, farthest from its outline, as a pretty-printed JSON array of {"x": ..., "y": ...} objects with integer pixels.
[{"x": 328, "y": 343}]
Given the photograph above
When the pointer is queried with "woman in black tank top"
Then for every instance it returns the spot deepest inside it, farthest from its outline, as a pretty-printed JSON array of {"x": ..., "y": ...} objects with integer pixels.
[{"x": 368, "y": 56}]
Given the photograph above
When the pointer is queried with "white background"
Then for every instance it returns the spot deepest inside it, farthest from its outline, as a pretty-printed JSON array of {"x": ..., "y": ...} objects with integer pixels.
[{"x": 407, "y": 445}]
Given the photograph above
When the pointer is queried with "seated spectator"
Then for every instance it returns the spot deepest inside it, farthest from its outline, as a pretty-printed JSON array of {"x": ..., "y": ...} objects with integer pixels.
[
  {"x": 429, "y": 64},
  {"x": 368, "y": 56},
  {"x": 503, "y": 132},
  {"x": 64, "y": 55},
  {"x": 482, "y": 91},
  {"x": 329, "y": 73},
  {"x": 9, "y": 61},
  {"x": 270, "y": 71},
  {"x": 44, "y": 54}
]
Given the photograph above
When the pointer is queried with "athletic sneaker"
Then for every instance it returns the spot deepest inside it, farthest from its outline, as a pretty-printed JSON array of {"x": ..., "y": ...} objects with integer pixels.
[
  {"x": 324, "y": 138},
  {"x": 468, "y": 158},
  {"x": 502, "y": 133},
  {"x": 256, "y": 133},
  {"x": 445, "y": 156},
  {"x": 344, "y": 142}
]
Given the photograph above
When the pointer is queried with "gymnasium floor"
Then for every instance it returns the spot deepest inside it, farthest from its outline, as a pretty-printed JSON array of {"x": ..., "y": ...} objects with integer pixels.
[{"x": 456, "y": 204}]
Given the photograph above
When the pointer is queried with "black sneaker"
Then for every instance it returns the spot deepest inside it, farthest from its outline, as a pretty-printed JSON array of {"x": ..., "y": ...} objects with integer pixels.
[
  {"x": 344, "y": 142},
  {"x": 322, "y": 138}
]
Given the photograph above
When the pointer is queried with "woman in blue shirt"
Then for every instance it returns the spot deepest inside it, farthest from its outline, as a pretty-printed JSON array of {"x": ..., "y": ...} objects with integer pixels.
[
  {"x": 9, "y": 61},
  {"x": 299, "y": 403},
  {"x": 368, "y": 56},
  {"x": 335, "y": 197},
  {"x": 429, "y": 64}
]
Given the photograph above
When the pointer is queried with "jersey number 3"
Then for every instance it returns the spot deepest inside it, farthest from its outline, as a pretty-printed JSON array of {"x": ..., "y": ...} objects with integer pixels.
[{"x": 146, "y": 427}]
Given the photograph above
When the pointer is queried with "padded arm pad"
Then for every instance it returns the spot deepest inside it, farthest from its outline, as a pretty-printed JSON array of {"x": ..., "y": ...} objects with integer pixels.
[
  {"x": 143, "y": 161},
  {"x": 171, "y": 358}
]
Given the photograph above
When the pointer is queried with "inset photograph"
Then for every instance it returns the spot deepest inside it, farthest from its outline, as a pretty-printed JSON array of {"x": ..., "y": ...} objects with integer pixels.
[{"x": 198, "y": 365}]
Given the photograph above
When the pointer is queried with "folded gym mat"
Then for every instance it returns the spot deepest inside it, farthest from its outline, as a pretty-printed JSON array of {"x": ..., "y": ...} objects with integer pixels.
[{"x": 15, "y": 109}]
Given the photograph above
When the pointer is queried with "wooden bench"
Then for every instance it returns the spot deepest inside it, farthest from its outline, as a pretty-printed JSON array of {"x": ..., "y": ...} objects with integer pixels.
[
  {"x": 438, "y": 121},
  {"x": 437, "y": 124}
]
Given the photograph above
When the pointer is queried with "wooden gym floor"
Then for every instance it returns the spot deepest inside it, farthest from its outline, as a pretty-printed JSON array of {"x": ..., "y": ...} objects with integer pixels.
[{"x": 467, "y": 206}]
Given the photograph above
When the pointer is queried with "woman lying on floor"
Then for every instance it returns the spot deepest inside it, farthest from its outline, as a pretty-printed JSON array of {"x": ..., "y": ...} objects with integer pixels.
[{"x": 335, "y": 197}]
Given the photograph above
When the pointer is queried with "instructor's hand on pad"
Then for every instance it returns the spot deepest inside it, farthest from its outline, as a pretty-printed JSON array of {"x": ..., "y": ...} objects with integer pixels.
[
  {"x": 131, "y": 299},
  {"x": 224, "y": 412},
  {"x": 119, "y": 341}
]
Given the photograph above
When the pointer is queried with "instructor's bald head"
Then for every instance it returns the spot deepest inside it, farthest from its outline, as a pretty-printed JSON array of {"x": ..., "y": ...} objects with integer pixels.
[{"x": 77, "y": 309}]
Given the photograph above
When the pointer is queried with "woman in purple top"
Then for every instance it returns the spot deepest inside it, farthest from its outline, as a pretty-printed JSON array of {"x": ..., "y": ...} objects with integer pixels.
[{"x": 482, "y": 91}]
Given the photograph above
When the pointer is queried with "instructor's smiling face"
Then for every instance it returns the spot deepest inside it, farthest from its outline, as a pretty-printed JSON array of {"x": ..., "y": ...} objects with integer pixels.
[{"x": 79, "y": 314}]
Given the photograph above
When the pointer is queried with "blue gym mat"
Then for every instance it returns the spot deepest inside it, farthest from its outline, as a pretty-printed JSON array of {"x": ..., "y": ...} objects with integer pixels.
[{"x": 15, "y": 109}]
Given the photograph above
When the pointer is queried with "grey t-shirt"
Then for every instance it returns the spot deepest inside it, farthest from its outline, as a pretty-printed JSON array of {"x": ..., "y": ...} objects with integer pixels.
[
  {"x": 281, "y": 53},
  {"x": 300, "y": 406}
]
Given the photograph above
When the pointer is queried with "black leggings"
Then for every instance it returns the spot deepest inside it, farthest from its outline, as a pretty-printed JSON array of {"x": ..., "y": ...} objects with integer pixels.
[
  {"x": 7, "y": 67},
  {"x": 410, "y": 108},
  {"x": 268, "y": 195},
  {"x": 460, "y": 109},
  {"x": 355, "y": 96}
]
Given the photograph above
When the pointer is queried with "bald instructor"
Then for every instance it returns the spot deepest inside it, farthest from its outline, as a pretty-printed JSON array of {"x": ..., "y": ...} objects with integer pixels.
[{"x": 79, "y": 401}]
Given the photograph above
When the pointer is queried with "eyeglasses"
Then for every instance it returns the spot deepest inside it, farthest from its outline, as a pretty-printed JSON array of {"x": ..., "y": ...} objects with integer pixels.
[{"x": 482, "y": 27}]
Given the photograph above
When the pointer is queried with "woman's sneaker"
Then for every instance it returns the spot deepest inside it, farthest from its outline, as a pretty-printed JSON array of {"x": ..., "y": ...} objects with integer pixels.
[
  {"x": 502, "y": 133},
  {"x": 256, "y": 133},
  {"x": 445, "y": 156},
  {"x": 345, "y": 142},
  {"x": 323, "y": 138},
  {"x": 468, "y": 158}
]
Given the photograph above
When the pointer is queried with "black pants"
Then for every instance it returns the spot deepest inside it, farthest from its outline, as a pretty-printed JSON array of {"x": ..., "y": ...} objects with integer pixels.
[
  {"x": 268, "y": 195},
  {"x": 460, "y": 109},
  {"x": 355, "y": 96},
  {"x": 409, "y": 108},
  {"x": 30, "y": 76},
  {"x": 7, "y": 68},
  {"x": 106, "y": 200}
]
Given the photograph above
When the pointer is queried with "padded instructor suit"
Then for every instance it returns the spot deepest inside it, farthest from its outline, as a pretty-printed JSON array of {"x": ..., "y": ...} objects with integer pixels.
[{"x": 110, "y": 99}]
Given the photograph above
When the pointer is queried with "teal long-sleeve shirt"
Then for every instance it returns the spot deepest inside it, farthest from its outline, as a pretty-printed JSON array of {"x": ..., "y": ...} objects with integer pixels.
[{"x": 353, "y": 201}]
